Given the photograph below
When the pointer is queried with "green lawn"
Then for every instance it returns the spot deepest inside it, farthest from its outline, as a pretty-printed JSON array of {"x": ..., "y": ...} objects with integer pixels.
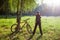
[{"x": 50, "y": 27}]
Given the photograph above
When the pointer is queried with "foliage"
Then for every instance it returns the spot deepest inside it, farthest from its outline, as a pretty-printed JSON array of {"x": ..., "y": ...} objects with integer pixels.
[
  {"x": 27, "y": 5},
  {"x": 11, "y": 5}
]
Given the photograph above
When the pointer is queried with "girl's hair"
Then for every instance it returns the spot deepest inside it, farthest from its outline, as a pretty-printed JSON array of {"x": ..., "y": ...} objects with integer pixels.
[{"x": 37, "y": 13}]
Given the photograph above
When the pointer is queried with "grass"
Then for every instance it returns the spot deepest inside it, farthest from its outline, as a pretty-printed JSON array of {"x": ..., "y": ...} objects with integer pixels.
[{"x": 50, "y": 27}]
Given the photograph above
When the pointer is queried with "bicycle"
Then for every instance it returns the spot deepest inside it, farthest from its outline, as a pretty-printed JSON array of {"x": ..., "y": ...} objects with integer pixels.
[{"x": 28, "y": 27}]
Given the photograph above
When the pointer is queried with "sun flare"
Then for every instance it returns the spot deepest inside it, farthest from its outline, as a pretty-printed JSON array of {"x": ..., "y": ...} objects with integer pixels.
[
  {"x": 49, "y": 2},
  {"x": 52, "y": 2}
]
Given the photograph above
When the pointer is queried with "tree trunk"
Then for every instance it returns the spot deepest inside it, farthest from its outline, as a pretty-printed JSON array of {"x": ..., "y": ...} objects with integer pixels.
[{"x": 19, "y": 14}]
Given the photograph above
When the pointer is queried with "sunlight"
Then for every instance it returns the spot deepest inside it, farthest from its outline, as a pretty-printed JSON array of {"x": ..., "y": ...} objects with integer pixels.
[
  {"x": 52, "y": 2},
  {"x": 49, "y": 2},
  {"x": 38, "y": 2}
]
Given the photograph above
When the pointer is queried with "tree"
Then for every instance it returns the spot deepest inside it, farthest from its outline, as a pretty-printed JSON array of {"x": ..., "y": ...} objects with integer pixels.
[{"x": 22, "y": 6}]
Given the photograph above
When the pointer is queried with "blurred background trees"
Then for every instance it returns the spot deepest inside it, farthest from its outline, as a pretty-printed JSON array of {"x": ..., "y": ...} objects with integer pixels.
[{"x": 9, "y": 7}]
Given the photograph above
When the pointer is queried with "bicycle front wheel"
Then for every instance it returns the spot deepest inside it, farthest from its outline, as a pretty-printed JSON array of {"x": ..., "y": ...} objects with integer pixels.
[{"x": 13, "y": 27}]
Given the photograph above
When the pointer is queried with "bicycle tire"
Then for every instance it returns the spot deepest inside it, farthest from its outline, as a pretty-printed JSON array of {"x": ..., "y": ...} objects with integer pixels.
[
  {"x": 29, "y": 29},
  {"x": 12, "y": 27}
]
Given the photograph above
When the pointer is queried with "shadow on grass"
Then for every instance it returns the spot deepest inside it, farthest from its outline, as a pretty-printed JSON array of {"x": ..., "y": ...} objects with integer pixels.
[
  {"x": 39, "y": 37},
  {"x": 30, "y": 38}
]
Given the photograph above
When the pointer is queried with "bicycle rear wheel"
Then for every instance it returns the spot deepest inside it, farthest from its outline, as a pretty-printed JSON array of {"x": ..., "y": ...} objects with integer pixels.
[{"x": 13, "y": 27}]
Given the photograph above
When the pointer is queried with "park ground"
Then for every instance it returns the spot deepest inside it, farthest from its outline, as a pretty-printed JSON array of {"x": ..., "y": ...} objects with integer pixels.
[{"x": 50, "y": 27}]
